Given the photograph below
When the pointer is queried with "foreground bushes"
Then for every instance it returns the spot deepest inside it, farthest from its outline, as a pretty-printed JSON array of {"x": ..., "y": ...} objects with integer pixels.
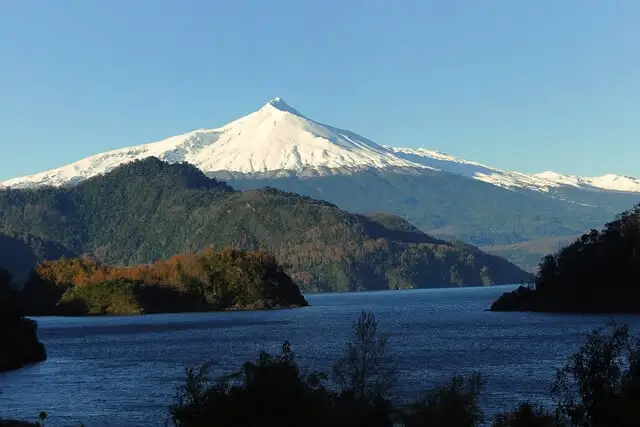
[{"x": 598, "y": 387}]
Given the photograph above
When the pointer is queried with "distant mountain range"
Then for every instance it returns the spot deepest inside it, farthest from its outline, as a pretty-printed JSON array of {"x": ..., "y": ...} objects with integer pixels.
[{"x": 443, "y": 195}]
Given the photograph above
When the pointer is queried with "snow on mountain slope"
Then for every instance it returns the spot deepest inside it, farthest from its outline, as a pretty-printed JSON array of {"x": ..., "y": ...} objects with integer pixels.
[
  {"x": 605, "y": 182},
  {"x": 509, "y": 179},
  {"x": 276, "y": 137},
  {"x": 457, "y": 165}
]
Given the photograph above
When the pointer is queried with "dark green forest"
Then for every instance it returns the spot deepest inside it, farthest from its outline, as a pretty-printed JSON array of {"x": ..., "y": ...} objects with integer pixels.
[
  {"x": 599, "y": 273},
  {"x": 150, "y": 210}
]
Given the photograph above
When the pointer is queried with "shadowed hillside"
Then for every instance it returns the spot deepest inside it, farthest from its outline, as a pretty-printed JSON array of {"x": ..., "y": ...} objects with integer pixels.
[
  {"x": 19, "y": 343},
  {"x": 599, "y": 272},
  {"x": 22, "y": 252}
]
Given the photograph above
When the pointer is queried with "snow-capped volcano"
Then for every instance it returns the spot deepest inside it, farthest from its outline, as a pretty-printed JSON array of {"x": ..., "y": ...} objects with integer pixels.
[
  {"x": 278, "y": 138},
  {"x": 274, "y": 138}
]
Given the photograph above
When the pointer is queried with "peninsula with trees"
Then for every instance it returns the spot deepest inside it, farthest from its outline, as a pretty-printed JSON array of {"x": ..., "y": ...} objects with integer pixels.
[
  {"x": 209, "y": 280},
  {"x": 597, "y": 273}
]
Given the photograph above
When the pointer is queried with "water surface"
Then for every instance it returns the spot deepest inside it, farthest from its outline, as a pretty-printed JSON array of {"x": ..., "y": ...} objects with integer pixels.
[{"x": 123, "y": 371}]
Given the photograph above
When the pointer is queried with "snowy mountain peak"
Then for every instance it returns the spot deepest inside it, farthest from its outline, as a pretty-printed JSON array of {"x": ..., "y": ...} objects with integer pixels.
[
  {"x": 280, "y": 104},
  {"x": 278, "y": 139},
  {"x": 274, "y": 138},
  {"x": 275, "y": 107}
]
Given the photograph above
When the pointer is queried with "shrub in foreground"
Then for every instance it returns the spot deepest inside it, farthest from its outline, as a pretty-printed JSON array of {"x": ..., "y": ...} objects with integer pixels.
[{"x": 598, "y": 387}]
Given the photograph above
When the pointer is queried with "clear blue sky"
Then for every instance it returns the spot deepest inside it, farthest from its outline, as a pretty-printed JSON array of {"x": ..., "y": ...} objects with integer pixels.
[{"x": 527, "y": 85}]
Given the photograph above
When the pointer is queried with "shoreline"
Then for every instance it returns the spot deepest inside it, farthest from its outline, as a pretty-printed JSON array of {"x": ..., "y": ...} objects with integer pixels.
[{"x": 226, "y": 310}]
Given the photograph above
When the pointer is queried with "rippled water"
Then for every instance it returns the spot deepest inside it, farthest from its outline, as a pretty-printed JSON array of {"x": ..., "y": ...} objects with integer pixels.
[{"x": 122, "y": 371}]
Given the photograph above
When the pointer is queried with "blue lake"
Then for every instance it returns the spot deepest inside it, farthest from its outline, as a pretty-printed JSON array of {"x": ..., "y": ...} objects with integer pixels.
[{"x": 123, "y": 371}]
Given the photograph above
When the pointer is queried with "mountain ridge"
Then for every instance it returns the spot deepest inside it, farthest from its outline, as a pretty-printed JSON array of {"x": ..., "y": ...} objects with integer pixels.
[{"x": 275, "y": 137}]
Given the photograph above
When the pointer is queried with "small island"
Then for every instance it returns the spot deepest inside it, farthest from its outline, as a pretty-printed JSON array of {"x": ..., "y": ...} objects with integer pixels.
[
  {"x": 19, "y": 345},
  {"x": 598, "y": 273},
  {"x": 209, "y": 280}
]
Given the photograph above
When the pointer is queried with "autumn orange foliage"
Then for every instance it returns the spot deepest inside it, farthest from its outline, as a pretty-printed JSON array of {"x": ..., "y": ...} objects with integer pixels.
[
  {"x": 225, "y": 279},
  {"x": 171, "y": 272}
]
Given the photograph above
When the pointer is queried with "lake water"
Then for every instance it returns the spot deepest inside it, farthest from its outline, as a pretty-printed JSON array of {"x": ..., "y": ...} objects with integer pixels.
[{"x": 123, "y": 371}]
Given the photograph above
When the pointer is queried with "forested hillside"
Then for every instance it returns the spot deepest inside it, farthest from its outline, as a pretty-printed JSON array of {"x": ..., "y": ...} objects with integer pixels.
[
  {"x": 446, "y": 205},
  {"x": 598, "y": 272},
  {"x": 21, "y": 252},
  {"x": 150, "y": 210}
]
